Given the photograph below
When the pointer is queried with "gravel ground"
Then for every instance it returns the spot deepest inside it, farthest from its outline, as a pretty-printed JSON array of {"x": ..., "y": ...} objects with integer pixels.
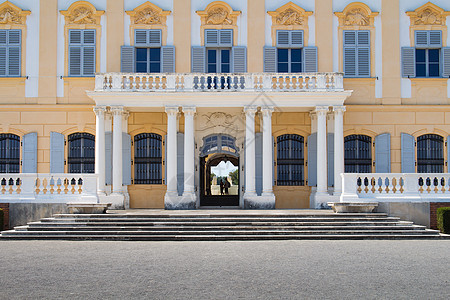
[{"x": 225, "y": 270}]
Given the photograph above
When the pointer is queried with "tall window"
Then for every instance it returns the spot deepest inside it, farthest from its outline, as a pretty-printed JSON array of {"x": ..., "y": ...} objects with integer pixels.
[
  {"x": 148, "y": 50},
  {"x": 290, "y": 160},
  {"x": 81, "y": 153},
  {"x": 147, "y": 158},
  {"x": 289, "y": 52},
  {"x": 356, "y": 53},
  {"x": 9, "y": 153},
  {"x": 10, "y": 52},
  {"x": 82, "y": 52},
  {"x": 430, "y": 154},
  {"x": 218, "y": 50},
  {"x": 358, "y": 154},
  {"x": 427, "y": 58}
]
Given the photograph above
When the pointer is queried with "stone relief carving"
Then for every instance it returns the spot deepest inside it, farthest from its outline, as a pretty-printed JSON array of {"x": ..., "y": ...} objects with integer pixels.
[
  {"x": 218, "y": 16},
  {"x": 82, "y": 15},
  {"x": 290, "y": 17},
  {"x": 220, "y": 119},
  {"x": 356, "y": 17},
  {"x": 8, "y": 16},
  {"x": 428, "y": 17},
  {"x": 147, "y": 16}
]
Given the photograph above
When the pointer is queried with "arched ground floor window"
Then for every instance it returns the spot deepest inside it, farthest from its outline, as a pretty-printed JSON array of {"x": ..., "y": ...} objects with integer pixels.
[
  {"x": 81, "y": 153},
  {"x": 290, "y": 160},
  {"x": 358, "y": 153},
  {"x": 9, "y": 153},
  {"x": 430, "y": 153},
  {"x": 148, "y": 158}
]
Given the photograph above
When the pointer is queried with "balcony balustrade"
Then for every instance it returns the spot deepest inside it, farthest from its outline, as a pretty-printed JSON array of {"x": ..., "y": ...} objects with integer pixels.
[
  {"x": 48, "y": 188},
  {"x": 199, "y": 82},
  {"x": 395, "y": 187}
]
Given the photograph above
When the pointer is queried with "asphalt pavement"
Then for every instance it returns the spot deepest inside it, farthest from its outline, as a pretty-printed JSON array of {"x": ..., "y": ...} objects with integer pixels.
[{"x": 225, "y": 270}]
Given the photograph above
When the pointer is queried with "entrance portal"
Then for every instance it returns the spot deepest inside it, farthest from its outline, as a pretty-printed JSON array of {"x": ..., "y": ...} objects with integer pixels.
[{"x": 219, "y": 172}]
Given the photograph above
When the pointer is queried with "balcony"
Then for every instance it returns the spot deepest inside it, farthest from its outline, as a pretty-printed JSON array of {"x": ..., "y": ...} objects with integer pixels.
[
  {"x": 394, "y": 187},
  {"x": 48, "y": 188},
  {"x": 198, "y": 82}
]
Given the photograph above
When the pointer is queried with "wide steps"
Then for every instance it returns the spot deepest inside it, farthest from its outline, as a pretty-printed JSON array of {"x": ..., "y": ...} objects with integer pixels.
[{"x": 202, "y": 227}]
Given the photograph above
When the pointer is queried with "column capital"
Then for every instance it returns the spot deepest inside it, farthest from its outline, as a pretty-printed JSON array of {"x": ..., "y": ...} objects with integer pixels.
[
  {"x": 189, "y": 110},
  {"x": 339, "y": 109},
  {"x": 250, "y": 110},
  {"x": 172, "y": 110},
  {"x": 267, "y": 111},
  {"x": 117, "y": 110},
  {"x": 99, "y": 110},
  {"x": 321, "y": 110},
  {"x": 125, "y": 115}
]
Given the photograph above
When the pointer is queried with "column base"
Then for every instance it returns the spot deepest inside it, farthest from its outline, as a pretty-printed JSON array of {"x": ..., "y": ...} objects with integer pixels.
[
  {"x": 259, "y": 202},
  {"x": 321, "y": 199},
  {"x": 117, "y": 200},
  {"x": 173, "y": 202}
]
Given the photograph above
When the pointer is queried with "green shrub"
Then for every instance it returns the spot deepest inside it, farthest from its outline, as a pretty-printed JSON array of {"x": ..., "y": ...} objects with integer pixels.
[
  {"x": 443, "y": 219},
  {"x": 1, "y": 219}
]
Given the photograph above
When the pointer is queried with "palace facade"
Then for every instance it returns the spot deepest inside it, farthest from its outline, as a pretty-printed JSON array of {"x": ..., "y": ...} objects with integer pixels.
[{"x": 150, "y": 104}]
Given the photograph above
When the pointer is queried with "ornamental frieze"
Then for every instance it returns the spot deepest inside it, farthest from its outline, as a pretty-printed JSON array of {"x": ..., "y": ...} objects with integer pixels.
[
  {"x": 428, "y": 14},
  {"x": 148, "y": 14},
  {"x": 82, "y": 12},
  {"x": 11, "y": 14},
  {"x": 219, "y": 13},
  {"x": 357, "y": 17},
  {"x": 290, "y": 14}
]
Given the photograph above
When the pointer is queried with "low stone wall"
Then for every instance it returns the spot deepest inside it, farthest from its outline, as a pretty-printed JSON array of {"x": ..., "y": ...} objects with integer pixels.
[
  {"x": 22, "y": 213},
  {"x": 417, "y": 212}
]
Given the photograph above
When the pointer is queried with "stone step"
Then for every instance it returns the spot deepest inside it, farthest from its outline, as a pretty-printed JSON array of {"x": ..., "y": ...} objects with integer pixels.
[
  {"x": 213, "y": 228},
  {"x": 391, "y": 236}
]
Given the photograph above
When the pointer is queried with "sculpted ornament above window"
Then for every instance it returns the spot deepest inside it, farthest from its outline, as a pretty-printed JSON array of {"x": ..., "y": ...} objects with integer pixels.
[
  {"x": 11, "y": 14},
  {"x": 428, "y": 14},
  {"x": 148, "y": 14},
  {"x": 290, "y": 17},
  {"x": 428, "y": 17},
  {"x": 356, "y": 17},
  {"x": 218, "y": 16},
  {"x": 219, "y": 13},
  {"x": 82, "y": 15},
  {"x": 289, "y": 14},
  {"x": 82, "y": 12}
]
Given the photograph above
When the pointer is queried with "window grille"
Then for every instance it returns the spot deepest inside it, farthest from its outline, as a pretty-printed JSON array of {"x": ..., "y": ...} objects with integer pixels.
[
  {"x": 358, "y": 154},
  {"x": 430, "y": 154},
  {"x": 148, "y": 158},
  {"x": 81, "y": 153},
  {"x": 9, "y": 153},
  {"x": 290, "y": 160}
]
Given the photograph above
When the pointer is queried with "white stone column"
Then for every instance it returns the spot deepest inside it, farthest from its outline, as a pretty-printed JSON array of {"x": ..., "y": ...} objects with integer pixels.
[
  {"x": 171, "y": 159},
  {"x": 338, "y": 148},
  {"x": 321, "y": 112},
  {"x": 189, "y": 156},
  {"x": 250, "y": 190},
  {"x": 267, "y": 151},
  {"x": 100, "y": 147},
  {"x": 117, "y": 112}
]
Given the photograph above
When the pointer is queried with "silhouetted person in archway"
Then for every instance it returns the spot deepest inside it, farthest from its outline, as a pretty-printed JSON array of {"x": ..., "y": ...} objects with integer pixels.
[
  {"x": 226, "y": 185},
  {"x": 221, "y": 187}
]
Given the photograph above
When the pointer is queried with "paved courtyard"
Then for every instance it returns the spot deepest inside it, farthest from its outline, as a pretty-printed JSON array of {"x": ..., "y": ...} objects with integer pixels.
[{"x": 225, "y": 270}]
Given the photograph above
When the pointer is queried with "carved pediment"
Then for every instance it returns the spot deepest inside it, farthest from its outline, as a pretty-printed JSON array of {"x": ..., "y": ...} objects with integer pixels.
[
  {"x": 82, "y": 12},
  {"x": 148, "y": 14},
  {"x": 428, "y": 14},
  {"x": 11, "y": 14},
  {"x": 218, "y": 13},
  {"x": 290, "y": 14},
  {"x": 356, "y": 14}
]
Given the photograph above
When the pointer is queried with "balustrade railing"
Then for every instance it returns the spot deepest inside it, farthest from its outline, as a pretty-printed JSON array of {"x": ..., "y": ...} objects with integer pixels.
[
  {"x": 395, "y": 186},
  {"x": 48, "y": 187},
  {"x": 195, "y": 82}
]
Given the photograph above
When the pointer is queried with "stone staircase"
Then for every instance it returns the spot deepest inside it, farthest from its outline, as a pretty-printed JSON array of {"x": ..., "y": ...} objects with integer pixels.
[{"x": 239, "y": 225}]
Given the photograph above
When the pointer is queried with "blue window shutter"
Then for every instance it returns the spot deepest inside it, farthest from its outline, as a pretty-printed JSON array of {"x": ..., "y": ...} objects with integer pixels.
[
  {"x": 273, "y": 161},
  {"x": 408, "y": 62},
  {"x": 211, "y": 37},
  {"x": 258, "y": 163},
  {"x": 108, "y": 157},
  {"x": 310, "y": 59},
  {"x": 283, "y": 39},
  {"x": 312, "y": 159},
  {"x": 408, "y": 153},
  {"x": 29, "y": 153},
  {"x": 165, "y": 159},
  {"x": 14, "y": 52},
  {"x": 140, "y": 37},
  {"x": 422, "y": 38},
  {"x": 3, "y": 60},
  {"x": 75, "y": 61},
  {"x": 56, "y": 152},
  {"x": 435, "y": 39},
  {"x": 446, "y": 62},
  {"x": 75, "y": 36},
  {"x": 270, "y": 59},
  {"x": 350, "y": 61},
  {"x": 88, "y": 61},
  {"x": 168, "y": 59},
  {"x": 296, "y": 38},
  {"x": 127, "y": 59},
  {"x": 349, "y": 38},
  {"x": 330, "y": 158},
  {"x": 239, "y": 59},
  {"x": 448, "y": 154},
  {"x": 126, "y": 158},
  {"x": 89, "y": 37},
  {"x": 364, "y": 61},
  {"x": 198, "y": 59},
  {"x": 3, "y": 37},
  {"x": 154, "y": 38},
  {"x": 226, "y": 38},
  {"x": 383, "y": 153},
  {"x": 180, "y": 163}
]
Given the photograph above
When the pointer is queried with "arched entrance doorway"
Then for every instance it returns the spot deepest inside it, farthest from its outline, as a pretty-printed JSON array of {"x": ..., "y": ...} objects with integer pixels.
[{"x": 219, "y": 171}]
